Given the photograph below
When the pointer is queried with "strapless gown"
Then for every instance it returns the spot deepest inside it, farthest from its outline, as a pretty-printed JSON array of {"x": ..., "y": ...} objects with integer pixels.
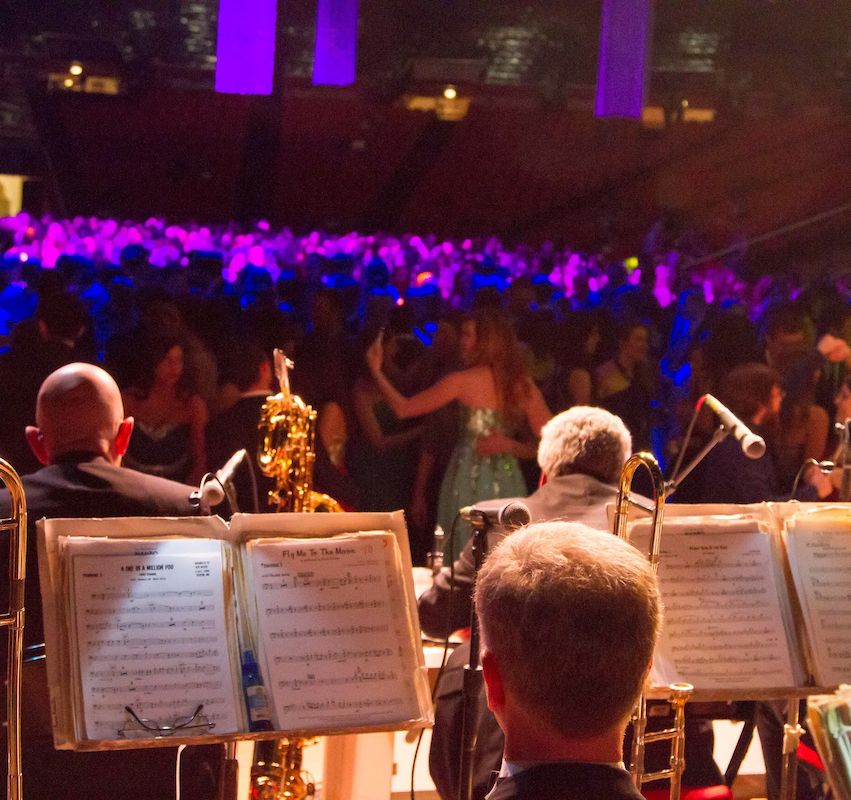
[
  {"x": 161, "y": 450},
  {"x": 470, "y": 477}
]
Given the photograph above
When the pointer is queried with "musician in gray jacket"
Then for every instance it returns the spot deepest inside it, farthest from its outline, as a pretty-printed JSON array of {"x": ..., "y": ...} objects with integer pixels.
[{"x": 581, "y": 454}]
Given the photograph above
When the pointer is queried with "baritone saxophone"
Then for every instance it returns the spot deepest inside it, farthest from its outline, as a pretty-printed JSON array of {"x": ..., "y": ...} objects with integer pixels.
[{"x": 287, "y": 453}]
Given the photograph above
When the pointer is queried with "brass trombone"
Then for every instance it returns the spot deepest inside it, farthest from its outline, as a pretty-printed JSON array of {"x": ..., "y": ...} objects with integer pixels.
[
  {"x": 13, "y": 620},
  {"x": 679, "y": 691}
]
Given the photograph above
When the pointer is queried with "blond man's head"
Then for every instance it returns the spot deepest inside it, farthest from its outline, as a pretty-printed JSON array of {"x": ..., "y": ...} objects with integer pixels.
[{"x": 570, "y": 616}]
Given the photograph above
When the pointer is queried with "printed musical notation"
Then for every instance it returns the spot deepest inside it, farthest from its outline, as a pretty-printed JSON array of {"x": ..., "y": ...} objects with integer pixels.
[
  {"x": 150, "y": 641},
  {"x": 173, "y": 589},
  {"x": 129, "y": 625},
  {"x": 820, "y": 561},
  {"x": 358, "y": 677},
  {"x": 335, "y": 655},
  {"x": 326, "y": 630},
  {"x": 334, "y": 632},
  {"x": 724, "y": 626},
  {"x": 313, "y": 608},
  {"x": 342, "y": 711}
]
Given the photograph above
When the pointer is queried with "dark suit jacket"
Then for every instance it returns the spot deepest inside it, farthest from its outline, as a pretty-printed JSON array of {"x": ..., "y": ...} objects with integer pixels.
[
  {"x": 567, "y": 781},
  {"x": 444, "y": 758},
  {"x": 233, "y": 429},
  {"x": 83, "y": 486}
]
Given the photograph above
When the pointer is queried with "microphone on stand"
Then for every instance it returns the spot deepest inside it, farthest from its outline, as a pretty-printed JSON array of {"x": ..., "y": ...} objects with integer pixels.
[
  {"x": 213, "y": 489},
  {"x": 509, "y": 515},
  {"x": 753, "y": 446}
]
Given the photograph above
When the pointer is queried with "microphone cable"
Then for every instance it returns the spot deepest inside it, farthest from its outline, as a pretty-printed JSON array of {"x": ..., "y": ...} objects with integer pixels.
[
  {"x": 440, "y": 671},
  {"x": 825, "y": 467}
]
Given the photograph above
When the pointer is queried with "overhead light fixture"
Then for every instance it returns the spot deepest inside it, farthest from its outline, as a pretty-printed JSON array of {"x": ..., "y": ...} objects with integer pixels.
[
  {"x": 450, "y": 92},
  {"x": 76, "y": 69},
  {"x": 68, "y": 83}
]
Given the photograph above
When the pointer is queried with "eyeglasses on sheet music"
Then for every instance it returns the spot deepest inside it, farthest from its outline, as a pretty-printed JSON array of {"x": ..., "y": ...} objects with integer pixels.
[{"x": 137, "y": 727}]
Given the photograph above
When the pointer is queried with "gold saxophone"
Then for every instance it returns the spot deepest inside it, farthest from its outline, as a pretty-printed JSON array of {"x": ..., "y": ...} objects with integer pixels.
[
  {"x": 286, "y": 453},
  {"x": 287, "y": 449}
]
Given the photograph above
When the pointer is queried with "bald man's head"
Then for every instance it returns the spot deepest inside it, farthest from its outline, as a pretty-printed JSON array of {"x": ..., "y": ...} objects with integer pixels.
[{"x": 79, "y": 410}]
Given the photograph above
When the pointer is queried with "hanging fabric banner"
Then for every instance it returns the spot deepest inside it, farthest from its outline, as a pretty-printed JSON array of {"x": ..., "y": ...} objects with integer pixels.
[
  {"x": 625, "y": 35},
  {"x": 336, "y": 42},
  {"x": 245, "y": 49}
]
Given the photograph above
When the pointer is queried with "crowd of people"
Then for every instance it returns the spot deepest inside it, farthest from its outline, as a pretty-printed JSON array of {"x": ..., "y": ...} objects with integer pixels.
[
  {"x": 444, "y": 373},
  {"x": 433, "y": 364}
]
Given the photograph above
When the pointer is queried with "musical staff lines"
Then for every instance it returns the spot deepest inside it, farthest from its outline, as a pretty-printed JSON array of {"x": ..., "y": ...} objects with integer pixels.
[
  {"x": 724, "y": 626},
  {"x": 327, "y": 630},
  {"x": 172, "y": 590},
  {"x": 820, "y": 562}
]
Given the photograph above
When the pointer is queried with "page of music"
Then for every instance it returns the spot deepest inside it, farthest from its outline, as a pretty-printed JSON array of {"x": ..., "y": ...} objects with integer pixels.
[
  {"x": 819, "y": 551},
  {"x": 332, "y": 627},
  {"x": 152, "y": 634},
  {"x": 726, "y": 625}
]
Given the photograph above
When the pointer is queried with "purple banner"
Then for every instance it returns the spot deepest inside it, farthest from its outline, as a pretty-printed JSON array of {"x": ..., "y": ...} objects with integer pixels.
[
  {"x": 245, "y": 49},
  {"x": 336, "y": 42},
  {"x": 625, "y": 30}
]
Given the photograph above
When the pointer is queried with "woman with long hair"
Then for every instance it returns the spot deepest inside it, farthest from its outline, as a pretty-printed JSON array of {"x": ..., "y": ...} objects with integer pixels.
[
  {"x": 803, "y": 425},
  {"x": 497, "y": 399},
  {"x": 170, "y": 418}
]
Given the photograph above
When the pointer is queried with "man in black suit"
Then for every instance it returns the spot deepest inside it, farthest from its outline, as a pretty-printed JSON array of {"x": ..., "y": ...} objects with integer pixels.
[
  {"x": 81, "y": 436},
  {"x": 569, "y": 618},
  {"x": 250, "y": 370},
  {"x": 39, "y": 346}
]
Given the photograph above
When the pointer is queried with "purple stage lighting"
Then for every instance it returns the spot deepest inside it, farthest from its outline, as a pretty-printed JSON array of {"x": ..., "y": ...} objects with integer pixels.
[
  {"x": 625, "y": 30},
  {"x": 336, "y": 42},
  {"x": 245, "y": 50}
]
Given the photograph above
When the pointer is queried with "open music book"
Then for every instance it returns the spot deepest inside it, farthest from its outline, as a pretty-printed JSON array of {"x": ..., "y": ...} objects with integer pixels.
[
  {"x": 829, "y": 718},
  {"x": 758, "y": 600},
  {"x": 168, "y": 629}
]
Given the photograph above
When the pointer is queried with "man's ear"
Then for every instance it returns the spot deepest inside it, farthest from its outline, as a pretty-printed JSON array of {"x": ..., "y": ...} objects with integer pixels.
[
  {"x": 265, "y": 376},
  {"x": 494, "y": 685},
  {"x": 122, "y": 437},
  {"x": 35, "y": 439}
]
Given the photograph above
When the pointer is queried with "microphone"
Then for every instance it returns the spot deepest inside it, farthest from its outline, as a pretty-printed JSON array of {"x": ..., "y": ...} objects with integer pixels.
[
  {"x": 753, "y": 446},
  {"x": 212, "y": 492},
  {"x": 511, "y": 515}
]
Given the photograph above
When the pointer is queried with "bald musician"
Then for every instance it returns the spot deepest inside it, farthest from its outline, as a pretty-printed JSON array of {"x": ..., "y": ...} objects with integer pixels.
[
  {"x": 80, "y": 436},
  {"x": 563, "y": 682}
]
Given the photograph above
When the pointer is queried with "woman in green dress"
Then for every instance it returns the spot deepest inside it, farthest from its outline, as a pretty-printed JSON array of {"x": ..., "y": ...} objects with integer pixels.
[{"x": 497, "y": 399}]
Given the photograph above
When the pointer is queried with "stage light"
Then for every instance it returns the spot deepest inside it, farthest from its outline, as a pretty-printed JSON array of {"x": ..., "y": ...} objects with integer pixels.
[
  {"x": 76, "y": 69},
  {"x": 68, "y": 83},
  {"x": 630, "y": 263},
  {"x": 450, "y": 92}
]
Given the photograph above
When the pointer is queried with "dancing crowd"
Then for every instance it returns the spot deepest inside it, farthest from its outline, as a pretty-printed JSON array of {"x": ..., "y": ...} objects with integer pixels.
[{"x": 432, "y": 364}]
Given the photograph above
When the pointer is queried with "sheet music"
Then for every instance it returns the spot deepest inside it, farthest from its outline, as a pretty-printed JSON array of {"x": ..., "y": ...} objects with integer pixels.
[
  {"x": 724, "y": 621},
  {"x": 819, "y": 551},
  {"x": 151, "y": 633},
  {"x": 335, "y": 640}
]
